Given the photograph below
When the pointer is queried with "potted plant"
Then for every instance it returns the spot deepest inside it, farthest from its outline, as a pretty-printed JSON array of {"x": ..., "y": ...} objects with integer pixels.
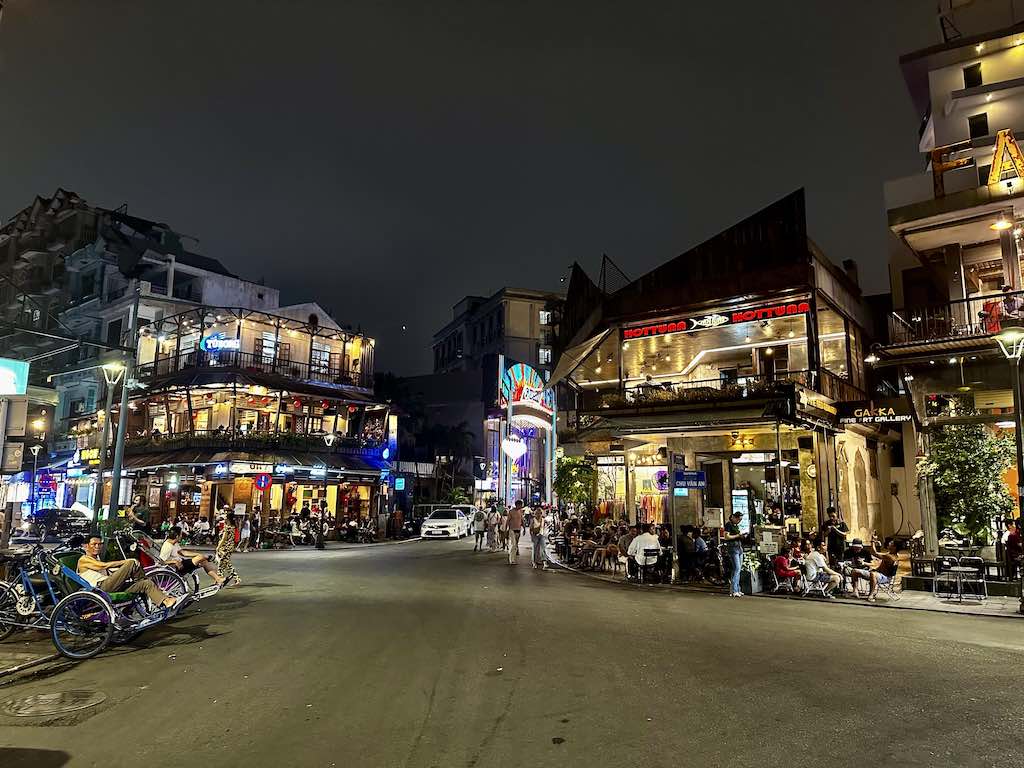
[{"x": 751, "y": 579}]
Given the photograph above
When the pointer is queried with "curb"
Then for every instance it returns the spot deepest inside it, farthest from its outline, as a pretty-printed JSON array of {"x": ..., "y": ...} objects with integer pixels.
[
  {"x": 10, "y": 671},
  {"x": 847, "y": 603}
]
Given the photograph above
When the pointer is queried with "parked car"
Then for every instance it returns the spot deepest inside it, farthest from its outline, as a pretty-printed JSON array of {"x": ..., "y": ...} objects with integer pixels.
[
  {"x": 445, "y": 523},
  {"x": 60, "y": 523}
]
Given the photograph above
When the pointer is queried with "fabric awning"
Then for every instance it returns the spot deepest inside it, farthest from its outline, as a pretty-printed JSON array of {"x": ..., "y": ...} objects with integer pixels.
[
  {"x": 205, "y": 377},
  {"x": 573, "y": 356}
]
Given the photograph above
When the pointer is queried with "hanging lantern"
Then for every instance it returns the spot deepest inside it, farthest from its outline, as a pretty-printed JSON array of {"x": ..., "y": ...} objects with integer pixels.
[
  {"x": 323, "y": 403},
  {"x": 351, "y": 409}
]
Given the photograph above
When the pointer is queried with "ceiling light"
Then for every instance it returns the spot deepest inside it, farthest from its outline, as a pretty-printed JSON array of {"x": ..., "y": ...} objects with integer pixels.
[
  {"x": 769, "y": 351},
  {"x": 908, "y": 377},
  {"x": 598, "y": 369},
  {"x": 872, "y": 358},
  {"x": 792, "y": 334},
  {"x": 989, "y": 97},
  {"x": 747, "y": 339},
  {"x": 979, "y": 47},
  {"x": 952, "y": 361},
  {"x": 626, "y": 345},
  {"x": 1018, "y": 41},
  {"x": 931, "y": 362},
  {"x": 1000, "y": 224},
  {"x": 1005, "y": 424}
]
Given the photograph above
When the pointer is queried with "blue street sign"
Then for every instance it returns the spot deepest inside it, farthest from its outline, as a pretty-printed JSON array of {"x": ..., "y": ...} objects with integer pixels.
[
  {"x": 399, "y": 483},
  {"x": 690, "y": 478}
]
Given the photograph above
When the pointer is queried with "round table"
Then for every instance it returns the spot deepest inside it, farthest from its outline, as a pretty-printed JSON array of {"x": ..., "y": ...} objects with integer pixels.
[{"x": 960, "y": 571}]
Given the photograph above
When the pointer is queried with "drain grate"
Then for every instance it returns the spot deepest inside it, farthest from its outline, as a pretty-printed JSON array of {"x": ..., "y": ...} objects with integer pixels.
[{"x": 52, "y": 703}]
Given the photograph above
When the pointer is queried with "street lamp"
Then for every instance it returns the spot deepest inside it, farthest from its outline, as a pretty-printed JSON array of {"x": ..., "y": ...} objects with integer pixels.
[
  {"x": 1011, "y": 342},
  {"x": 112, "y": 373},
  {"x": 32, "y": 486}
]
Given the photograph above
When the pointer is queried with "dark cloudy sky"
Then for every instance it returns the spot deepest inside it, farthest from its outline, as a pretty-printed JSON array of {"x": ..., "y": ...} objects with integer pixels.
[{"x": 385, "y": 158}]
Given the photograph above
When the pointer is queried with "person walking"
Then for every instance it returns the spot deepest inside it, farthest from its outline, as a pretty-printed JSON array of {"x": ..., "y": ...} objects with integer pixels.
[
  {"x": 515, "y": 529},
  {"x": 225, "y": 547},
  {"x": 502, "y": 526},
  {"x": 539, "y": 536},
  {"x": 493, "y": 521},
  {"x": 479, "y": 529},
  {"x": 254, "y": 536},
  {"x": 243, "y": 540}
]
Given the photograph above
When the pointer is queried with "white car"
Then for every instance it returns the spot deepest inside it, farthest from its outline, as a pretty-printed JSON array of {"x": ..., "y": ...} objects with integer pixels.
[{"x": 445, "y": 524}]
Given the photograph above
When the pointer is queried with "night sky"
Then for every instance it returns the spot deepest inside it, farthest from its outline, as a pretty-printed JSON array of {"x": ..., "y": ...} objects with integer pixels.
[{"x": 386, "y": 159}]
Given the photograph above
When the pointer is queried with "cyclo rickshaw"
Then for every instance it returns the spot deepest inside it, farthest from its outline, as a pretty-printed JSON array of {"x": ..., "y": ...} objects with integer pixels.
[{"x": 48, "y": 594}]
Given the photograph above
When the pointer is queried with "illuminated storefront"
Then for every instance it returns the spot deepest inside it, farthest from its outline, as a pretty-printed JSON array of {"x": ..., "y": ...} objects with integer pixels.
[
  {"x": 693, "y": 367},
  {"x": 520, "y": 438}
]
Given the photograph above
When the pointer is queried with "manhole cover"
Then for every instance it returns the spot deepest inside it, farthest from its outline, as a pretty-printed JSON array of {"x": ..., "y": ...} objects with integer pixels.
[{"x": 53, "y": 703}]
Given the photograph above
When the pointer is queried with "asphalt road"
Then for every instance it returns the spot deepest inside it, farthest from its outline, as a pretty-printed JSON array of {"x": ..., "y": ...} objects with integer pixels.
[{"x": 426, "y": 654}]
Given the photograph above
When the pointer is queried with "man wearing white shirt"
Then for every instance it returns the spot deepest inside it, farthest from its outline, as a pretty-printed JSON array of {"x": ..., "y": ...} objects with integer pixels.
[
  {"x": 816, "y": 568},
  {"x": 646, "y": 540},
  {"x": 185, "y": 561}
]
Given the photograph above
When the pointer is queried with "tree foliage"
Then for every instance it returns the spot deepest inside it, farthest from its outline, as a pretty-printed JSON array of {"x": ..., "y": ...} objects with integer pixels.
[
  {"x": 966, "y": 463},
  {"x": 574, "y": 479}
]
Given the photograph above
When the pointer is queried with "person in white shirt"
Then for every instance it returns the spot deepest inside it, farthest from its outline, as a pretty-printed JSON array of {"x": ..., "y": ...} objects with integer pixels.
[
  {"x": 816, "y": 568},
  {"x": 243, "y": 539},
  {"x": 646, "y": 540},
  {"x": 185, "y": 561},
  {"x": 539, "y": 536},
  {"x": 493, "y": 521}
]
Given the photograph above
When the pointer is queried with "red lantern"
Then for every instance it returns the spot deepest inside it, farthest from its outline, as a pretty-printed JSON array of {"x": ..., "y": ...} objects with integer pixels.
[
  {"x": 297, "y": 403},
  {"x": 323, "y": 403},
  {"x": 351, "y": 409}
]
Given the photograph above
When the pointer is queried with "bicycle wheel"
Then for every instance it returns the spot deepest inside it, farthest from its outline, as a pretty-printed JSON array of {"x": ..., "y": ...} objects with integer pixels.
[
  {"x": 168, "y": 581},
  {"x": 8, "y": 610},
  {"x": 81, "y": 625}
]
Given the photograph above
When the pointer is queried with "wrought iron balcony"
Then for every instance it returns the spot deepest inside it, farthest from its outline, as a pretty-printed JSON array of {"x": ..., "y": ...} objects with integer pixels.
[{"x": 252, "y": 441}]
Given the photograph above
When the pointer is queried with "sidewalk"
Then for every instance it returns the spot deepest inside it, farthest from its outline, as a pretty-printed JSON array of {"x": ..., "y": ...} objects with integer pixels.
[
  {"x": 1001, "y": 607},
  {"x": 328, "y": 546}
]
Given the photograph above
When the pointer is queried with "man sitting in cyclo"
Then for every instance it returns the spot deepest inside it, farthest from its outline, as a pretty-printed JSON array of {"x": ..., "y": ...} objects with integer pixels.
[
  {"x": 112, "y": 576},
  {"x": 185, "y": 561}
]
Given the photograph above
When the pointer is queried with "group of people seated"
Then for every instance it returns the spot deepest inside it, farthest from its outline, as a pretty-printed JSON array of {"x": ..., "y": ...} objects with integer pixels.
[{"x": 801, "y": 565}]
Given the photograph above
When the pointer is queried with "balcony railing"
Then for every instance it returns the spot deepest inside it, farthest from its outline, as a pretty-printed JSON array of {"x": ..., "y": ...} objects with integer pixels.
[
  {"x": 963, "y": 318},
  {"x": 839, "y": 389},
  {"x": 257, "y": 442},
  {"x": 703, "y": 391},
  {"x": 319, "y": 373}
]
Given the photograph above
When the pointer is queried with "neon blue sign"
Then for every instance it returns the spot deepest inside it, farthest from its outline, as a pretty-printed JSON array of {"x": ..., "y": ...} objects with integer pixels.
[
  {"x": 13, "y": 376},
  {"x": 218, "y": 342}
]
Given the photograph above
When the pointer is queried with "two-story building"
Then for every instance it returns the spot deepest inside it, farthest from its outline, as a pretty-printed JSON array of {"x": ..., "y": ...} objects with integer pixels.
[
  {"x": 736, "y": 356},
  {"x": 241, "y": 402}
]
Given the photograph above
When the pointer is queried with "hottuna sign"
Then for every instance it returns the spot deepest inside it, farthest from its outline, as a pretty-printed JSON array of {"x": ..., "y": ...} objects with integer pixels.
[{"x": 716, "y": 319}]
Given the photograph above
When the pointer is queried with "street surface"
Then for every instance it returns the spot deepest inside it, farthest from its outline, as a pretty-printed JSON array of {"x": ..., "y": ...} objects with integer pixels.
[{"x": 426, "y": 654}]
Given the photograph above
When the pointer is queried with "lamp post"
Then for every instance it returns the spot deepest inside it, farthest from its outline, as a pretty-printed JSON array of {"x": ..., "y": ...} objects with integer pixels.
[
  {"x": 112, "y": 373},
  {"x": 1011, "y": 342},
  {"x": 32, "y": 486}
]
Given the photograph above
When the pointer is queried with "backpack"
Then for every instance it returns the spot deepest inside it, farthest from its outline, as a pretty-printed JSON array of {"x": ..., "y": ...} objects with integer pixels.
[{"x": 479, "y": 516}]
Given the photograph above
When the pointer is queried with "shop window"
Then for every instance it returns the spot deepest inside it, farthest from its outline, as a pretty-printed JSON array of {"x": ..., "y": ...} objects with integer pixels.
[
  {"x": 832, "y": 341},
  {"x": 267, "y": 348},
  {"x": 544, "y": 356},
  {"x": 977, "y": 125},
  {"x": 545, "y": 317},
  {"x": 972, "y": 75}
]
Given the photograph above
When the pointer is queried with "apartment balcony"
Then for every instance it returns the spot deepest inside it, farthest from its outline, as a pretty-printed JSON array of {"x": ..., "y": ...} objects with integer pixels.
[
  {"x": 959, "y": 324},
  {"x": 275, "y": 373}
]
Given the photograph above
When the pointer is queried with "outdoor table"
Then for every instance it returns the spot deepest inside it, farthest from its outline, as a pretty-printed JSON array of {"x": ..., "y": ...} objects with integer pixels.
[{"x": 960, "y": 571}]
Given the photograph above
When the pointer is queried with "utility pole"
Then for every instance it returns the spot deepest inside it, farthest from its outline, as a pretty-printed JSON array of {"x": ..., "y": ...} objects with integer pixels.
[
  {"x": 112, "y": 373},
  {"x": 122, "y": 417},
  {"x": 8, "y": 506}
]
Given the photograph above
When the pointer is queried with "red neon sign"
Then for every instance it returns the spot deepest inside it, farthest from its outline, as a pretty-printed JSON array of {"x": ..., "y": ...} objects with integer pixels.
[{"x": 716, "y": 319}]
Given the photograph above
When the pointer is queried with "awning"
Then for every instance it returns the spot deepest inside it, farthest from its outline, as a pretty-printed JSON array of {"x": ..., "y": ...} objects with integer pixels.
[
  {"x": 339, "y": 462},
  {"x": 573, "y": 356}
]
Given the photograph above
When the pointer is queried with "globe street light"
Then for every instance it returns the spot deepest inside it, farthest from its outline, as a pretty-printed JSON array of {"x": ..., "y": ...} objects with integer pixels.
[{"x": 1011, "y": 342}]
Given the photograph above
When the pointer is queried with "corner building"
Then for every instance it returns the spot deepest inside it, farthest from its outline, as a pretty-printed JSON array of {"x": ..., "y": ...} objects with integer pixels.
[{"x": 735, "y": 359}]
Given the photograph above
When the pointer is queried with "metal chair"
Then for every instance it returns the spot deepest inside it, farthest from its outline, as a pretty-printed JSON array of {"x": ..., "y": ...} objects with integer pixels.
[
  {"x": 647, "y": 567},
  {"x": 813, "y": 586},
  {"x": 941, "y": 565},
  {"x": 889, "y": 589},
  {"x": 976, "y": 579}
]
